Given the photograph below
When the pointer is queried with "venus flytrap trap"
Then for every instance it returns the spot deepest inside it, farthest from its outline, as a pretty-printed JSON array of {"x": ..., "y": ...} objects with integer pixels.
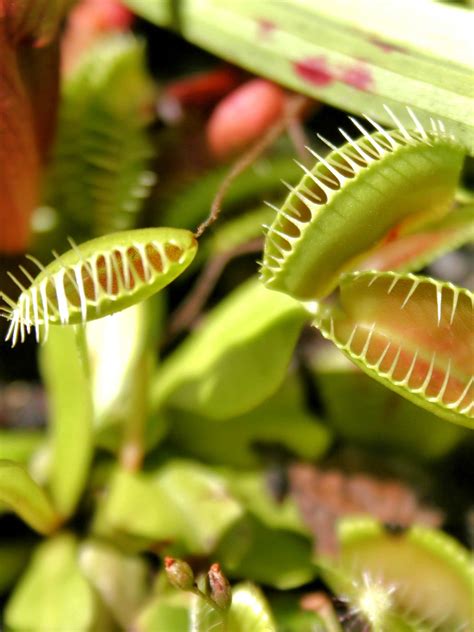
[
  {"x": 98, "y": 278},
  {"x": 353, "y": 199},
  {"x": 375, "y": 191},
  {"x": 418, "y": 579}
]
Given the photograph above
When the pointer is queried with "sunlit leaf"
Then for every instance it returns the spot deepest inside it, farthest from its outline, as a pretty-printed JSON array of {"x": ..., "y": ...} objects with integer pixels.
[
  {"x": 204, "y": 617},
  {"x": 411, "y": 333},
  {"x": 249, "y": 610},
  {"x": 26, "y": 498},
  {"x": 162, "y": 616},
  {"x": 121, "y": 350},
  {"x": 19, "y": 445},
  {"x": 424, "y": 574},
  {"x": 67, "y": 383},
  {"x": 162, "y": 505},
  {"x": 120, "y": 580},
  {"x": 53, "y": 594},
  {"x": 237, "y": 358}
]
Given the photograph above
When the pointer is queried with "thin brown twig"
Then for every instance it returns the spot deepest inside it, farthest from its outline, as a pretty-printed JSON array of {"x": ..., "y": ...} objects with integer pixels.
[
  {"x": 189, "y": 310},
  {"x": 295, "y": 105}
]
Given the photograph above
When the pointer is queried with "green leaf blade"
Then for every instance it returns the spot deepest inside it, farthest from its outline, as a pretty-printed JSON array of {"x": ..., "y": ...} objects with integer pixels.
[
  {"x": 26, "y": 498},
  {"x": 237, "y": 359},
  {"x": 53, "y": 594},
  {"x": 65, "y": 374}
]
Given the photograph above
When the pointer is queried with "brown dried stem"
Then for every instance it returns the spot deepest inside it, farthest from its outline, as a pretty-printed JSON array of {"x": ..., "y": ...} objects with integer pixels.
[{"x": 295, "y": 106}]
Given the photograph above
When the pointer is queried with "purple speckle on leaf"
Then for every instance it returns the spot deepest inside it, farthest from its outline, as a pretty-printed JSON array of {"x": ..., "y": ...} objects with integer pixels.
[
  {"x": 358, "y": 77},
  {"x": 314, "y": 70},
  {"x": 385, "y": 46},
  {"x": 265, "y": 27}
]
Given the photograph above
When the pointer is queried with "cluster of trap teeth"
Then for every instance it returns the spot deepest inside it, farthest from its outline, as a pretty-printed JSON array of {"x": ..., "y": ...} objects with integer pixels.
[
  {"x": 330, "y": 175},
  {"x": 358, "y": 347},
  {"x": 71, "y": 293}
]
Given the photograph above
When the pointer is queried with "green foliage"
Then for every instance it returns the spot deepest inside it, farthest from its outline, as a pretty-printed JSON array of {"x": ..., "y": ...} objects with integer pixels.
[
  {"x": 245, "y": 344},
  {"x": 53, "y": 594},
  {"x": 249, "y": 611},
  {"x": 365, "y": 413},
  {"x": 281, "y": 419},
  {"x": 98, "y": 177},
  {"x": 120, "y": 580},
  {"x": 65, "y": 375},
  {"x": 161, "y": 505},
  {"x": 26, "y": 498}
]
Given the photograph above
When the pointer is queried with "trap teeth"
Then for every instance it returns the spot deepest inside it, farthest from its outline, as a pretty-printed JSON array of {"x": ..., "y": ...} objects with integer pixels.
[{"x": 98, "y": 278}]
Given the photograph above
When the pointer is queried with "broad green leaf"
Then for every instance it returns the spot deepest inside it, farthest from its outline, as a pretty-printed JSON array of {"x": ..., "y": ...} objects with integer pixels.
[
  {"x": 424, "y": 574},
  {"x": 365, "y": 413},
  {"x": 162, "y": 616},
  {"x": 53, "y": 594},
  {"x": 162, "y": 505},
  {"x": 120, "y": 580},
  {"x": 98, "y": 175},
  {"x": 249, "y": 610},
  {"x": 121, "y": 352},
  {"x": 63, "y": 359},
  {"x": 253, "y": 490},
  {"x": 416, "y": 250},
  {"x": 26, "y": 498},
  {"x": 236, "y": 359},
  {"x": 275, "y": 557},
  {"x": 240, "y": 441},
  {"x": 204, "y": 617},
  {"x": 413, "y": 334},
  {"x": 19, "y": 445},
  {"x": 352, "y": 55},
  {"x": 282, "y": 420}
]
